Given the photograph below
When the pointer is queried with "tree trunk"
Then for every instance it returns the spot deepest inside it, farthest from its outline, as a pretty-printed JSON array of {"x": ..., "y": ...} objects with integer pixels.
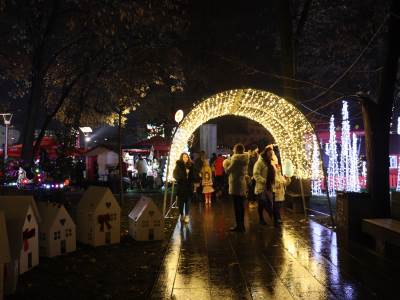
[
  {"x": 288, "y": 65},
  {"x": 377, "y": 118},
  {"x": 121, "y": 190},
  {"x": 287, "y": 47},
  {"x": 45, "y": 125},
  {"x": 32, "y": 114},
  {"x": 65, "y": 92},
  {"x": 168, "y": 127}
]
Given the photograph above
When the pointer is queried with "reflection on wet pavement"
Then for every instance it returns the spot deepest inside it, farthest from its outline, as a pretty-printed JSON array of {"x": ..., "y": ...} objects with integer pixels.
[{"x": 300, "y": 260}]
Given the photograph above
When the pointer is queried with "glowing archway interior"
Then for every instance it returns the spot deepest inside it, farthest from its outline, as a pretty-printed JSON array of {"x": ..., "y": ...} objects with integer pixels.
[{"x": 289, "y": 127}]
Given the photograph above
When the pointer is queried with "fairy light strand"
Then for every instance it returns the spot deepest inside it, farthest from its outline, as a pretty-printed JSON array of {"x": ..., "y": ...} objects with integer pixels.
[
  {"x": 345, "y": 151},
  {"x": 333, "y": 171},
  {"x": 398, "y": 176},
  {"x": 354, "y": 173},
  {"x": 285, "y": 122},
  {"x": 316, "y": 170}
]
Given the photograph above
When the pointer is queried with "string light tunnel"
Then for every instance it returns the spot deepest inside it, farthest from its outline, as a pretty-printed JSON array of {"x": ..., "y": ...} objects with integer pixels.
[{"x": 289, "y": 127}]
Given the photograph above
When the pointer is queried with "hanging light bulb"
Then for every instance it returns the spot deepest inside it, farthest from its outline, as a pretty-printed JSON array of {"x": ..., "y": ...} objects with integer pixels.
[
  {"x": 316, "y": 170},
  {"x": 345, "y": 152},
  {"x": 354, "y": 173},
  {"x": 364, "y": 174},
  {"x": 333, "y": 171}
]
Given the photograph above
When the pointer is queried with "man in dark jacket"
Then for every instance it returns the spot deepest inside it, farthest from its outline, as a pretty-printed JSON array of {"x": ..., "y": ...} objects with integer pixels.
[
  {"x": 198, "y": 165},
  {"x": 253, "y": 155},
  {"x": 219, "y": 175}
]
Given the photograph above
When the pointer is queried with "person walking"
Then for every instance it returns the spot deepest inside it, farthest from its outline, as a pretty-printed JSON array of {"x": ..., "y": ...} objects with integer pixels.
[
  {"x": 219, "y": 175},
  {"x": 264, "y": 176},
  {"x": 212, "y": 164},
  {"x": 253, "y": 156},
  {"x": 184, "y": 176},
  {"x": 236, "y": 168},
  {"x": 141, "y": 167},
  {"x": 198, "y": 166},
  {"x": 278, "y": 188}
]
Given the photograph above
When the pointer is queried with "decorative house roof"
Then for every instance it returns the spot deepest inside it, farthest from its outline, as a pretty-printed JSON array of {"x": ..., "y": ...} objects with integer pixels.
[
  {"x": 4, "y": 246},
  {"x": 16, "y": 209},
  {"x": 99, "y": 149},
  {"x": 49, "y": 213},
  {"x": 141, "y": 207},
  {"x": 93, "y": 196}
]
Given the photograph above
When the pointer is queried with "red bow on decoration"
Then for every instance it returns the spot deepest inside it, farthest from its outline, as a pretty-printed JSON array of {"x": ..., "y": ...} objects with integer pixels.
[
  {"x": 26, "y": 235},
  {"x": 104, "y": 219}
]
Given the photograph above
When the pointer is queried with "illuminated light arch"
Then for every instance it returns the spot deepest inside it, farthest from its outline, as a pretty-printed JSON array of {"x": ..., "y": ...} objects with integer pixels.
[{"x": 291, "y": 130}]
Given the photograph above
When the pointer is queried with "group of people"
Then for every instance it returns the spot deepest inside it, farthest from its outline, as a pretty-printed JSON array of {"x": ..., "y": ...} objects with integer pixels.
[
  {"x": 209, "y": 176},
  {"x": 251, "y": 175},
  {"x": 144, "y": 168},
  {"x": 192, "y": 178}
]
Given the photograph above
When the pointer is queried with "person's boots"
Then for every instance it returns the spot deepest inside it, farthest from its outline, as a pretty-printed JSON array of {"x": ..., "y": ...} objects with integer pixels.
[{"x": 238, "y": 229}]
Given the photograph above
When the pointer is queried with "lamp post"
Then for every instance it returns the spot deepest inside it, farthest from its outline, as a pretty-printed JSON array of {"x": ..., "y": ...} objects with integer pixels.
[
  {"x": 7, "y": 121},
  {"x": 178, "y": 118},
  {"x": 86, "y": 132}
]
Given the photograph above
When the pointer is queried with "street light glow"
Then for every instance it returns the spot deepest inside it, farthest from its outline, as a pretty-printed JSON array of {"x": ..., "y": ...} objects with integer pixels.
[
  {"x": 86, "y": 129},
  {"x": 179, "y": 116}
]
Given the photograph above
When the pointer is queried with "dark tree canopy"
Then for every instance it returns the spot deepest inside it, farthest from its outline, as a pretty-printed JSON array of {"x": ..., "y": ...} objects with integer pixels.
[{"x": 73, "y": 59}]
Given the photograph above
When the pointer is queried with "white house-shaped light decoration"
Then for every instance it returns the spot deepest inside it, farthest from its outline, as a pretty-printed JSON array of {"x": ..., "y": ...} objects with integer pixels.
[
  {"x": 98, "y": 217},
  {"x": 146, "y": 222},
  {"x": 5, "y": 257},
  {"x": 57, "y": 233},
  {"x": 22, "y": 218}
]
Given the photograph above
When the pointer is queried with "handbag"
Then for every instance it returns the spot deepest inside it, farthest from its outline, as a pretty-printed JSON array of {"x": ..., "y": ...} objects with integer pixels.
[{"x": 267, "y": 197}]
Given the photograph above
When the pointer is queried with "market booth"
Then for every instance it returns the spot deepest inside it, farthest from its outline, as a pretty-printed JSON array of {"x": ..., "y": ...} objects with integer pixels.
[
  {"x": 100, "y": 161},
  {"x": 157, "y": 146},
  {"x": 155, "y": 150}
]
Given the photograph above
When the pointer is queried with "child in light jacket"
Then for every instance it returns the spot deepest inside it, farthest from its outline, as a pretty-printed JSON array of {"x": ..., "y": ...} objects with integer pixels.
[
  {"x": 207, "y": 187},
  {"x": 279, "y": 193}
]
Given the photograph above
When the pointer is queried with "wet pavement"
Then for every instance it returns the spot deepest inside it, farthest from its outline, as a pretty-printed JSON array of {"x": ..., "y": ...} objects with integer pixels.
[{"x": 300, "y": 260}]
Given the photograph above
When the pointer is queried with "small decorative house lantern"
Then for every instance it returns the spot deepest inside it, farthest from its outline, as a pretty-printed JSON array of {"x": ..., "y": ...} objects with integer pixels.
[
  {"x": 5, "y": 257},
  {"x": 22, "y": 218},
  {"x": 98, "y": 217},
  {"x": 146, "y": 222},
  {"x": 57, "y": 234}
]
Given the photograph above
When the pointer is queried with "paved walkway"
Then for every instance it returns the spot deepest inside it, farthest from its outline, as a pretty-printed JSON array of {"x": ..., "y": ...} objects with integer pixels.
[{"x": 299, "y": 261}]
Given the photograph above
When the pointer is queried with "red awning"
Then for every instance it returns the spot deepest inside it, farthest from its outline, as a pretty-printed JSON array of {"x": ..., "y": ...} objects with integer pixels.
[
  {"x": 48, "y": 144},
  {"x": 159, "y": 144},
  {"x": 137, "y": 151},
  {"x": 13, "y": 151}
]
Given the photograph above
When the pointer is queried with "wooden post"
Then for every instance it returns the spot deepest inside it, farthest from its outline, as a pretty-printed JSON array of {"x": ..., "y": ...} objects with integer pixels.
[
  {"x": 172, "y": 195},
  {"x": 303, "y": 198},
  {"x": 166, "y": 188},
  {"x": 121, "y": 190},
  {"x": 376, "y": 116},
  {"x": 325, "y": 175}
]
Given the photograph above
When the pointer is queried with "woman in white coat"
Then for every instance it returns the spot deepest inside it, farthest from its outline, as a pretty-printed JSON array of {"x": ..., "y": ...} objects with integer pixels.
[
  {"x": 270, "y": 185},
  {"x": 279, "y": 192},
  {"x": 236, "y": 168}
]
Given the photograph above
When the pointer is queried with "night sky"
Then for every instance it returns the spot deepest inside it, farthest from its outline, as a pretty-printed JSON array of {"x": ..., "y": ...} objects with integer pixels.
[{"x": 228, "y": 45}]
